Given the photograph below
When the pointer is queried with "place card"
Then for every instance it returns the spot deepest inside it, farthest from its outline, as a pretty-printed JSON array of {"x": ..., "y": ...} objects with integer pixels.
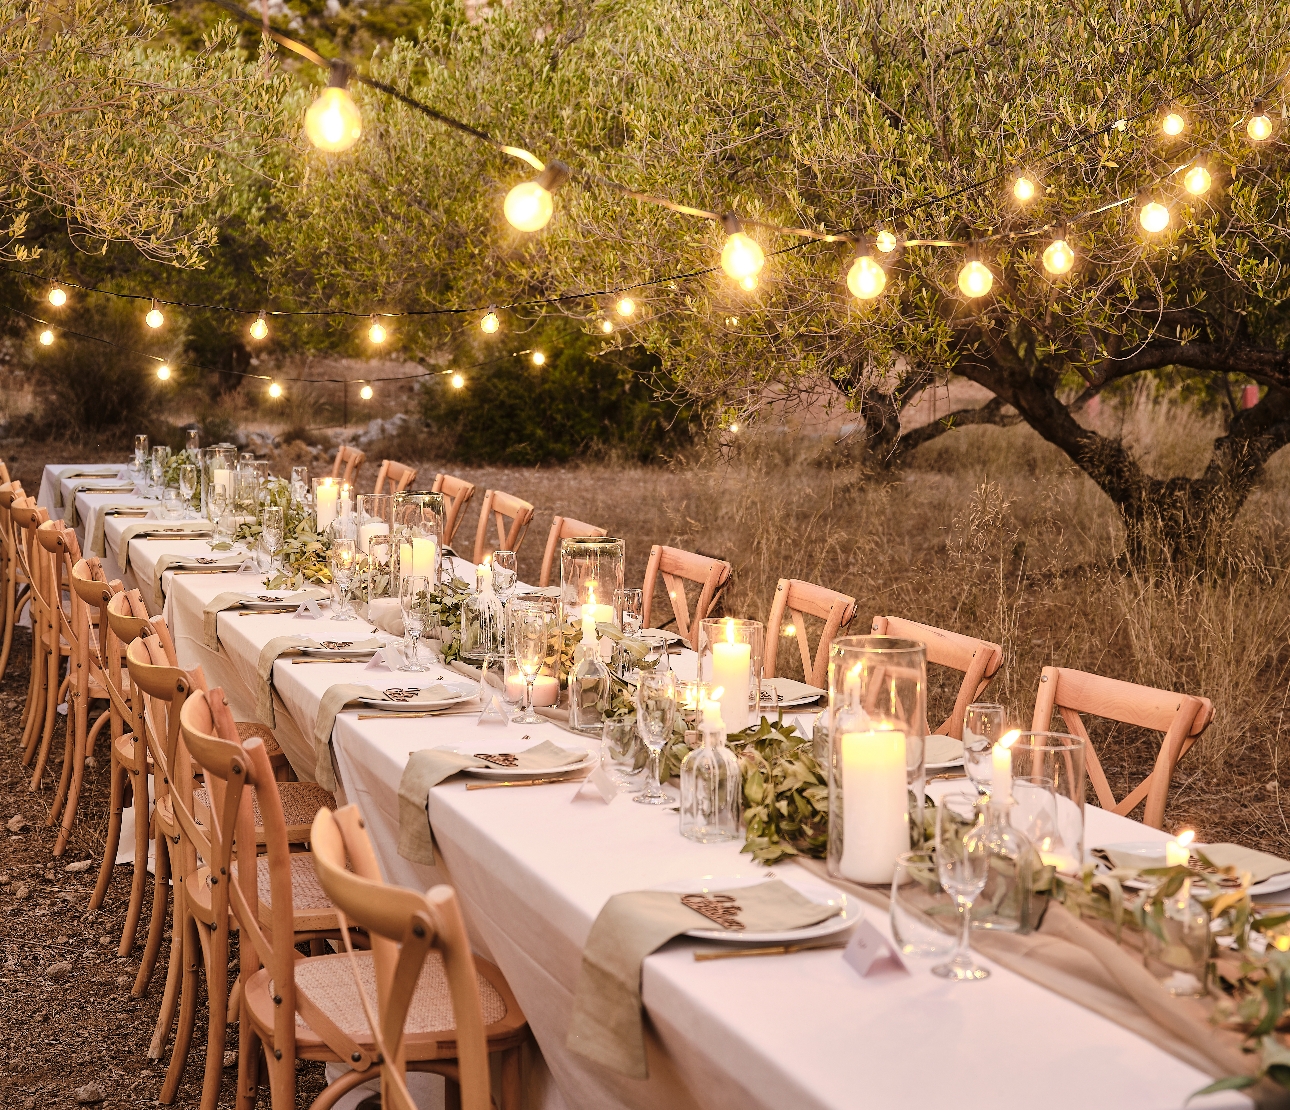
[
  {"x": 870, "y": 951},
  {"x": 248, "y": 567},
  {"x": 386, "y": 658},
  {"x": 309, "y": 611},
  {"x": 599, "y": 778}
]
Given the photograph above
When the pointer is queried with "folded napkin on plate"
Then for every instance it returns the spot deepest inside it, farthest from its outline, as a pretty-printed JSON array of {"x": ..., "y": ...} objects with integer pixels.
[
  {"x": 387, "y": 614},
  {"x": 941, "y": 749},
  {"x": 105, "y": 471},
  {"x": 1260, "y": 865},
  {"x": 429, "y": 767},
  {"x": 235, "y": 598},
  {"x": 291, "y": 645},
  {"x": 606, "y": 1024},
  {"x": 100, "y": 486},
  {"x": 144, "y": 529},
  {"x": 226, "y": 563},
  {"x": 94, "y": 542}
]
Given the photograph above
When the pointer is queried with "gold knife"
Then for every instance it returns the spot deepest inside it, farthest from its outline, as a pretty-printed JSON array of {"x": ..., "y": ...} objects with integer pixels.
[
  {"x": 417, "y": 716},
  {"x": 519, "y": 782},
  {"x": 774, "y": 950}
]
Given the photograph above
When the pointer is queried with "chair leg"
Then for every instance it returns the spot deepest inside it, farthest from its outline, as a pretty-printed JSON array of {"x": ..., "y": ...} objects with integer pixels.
[
  {"x": 103, "y": 718},
  {"x": 174, "y": 972},
  {"x": 10, "y": 613},
  {"x": 187, "y": 1011},
  {"x": 52, "y": 687},
  {"x": 36, "y": 699},
  {"x": 65, "y": 777},
  {"x": 116, "y": 807},
  {"x": 217, "y": 1022},
  {"x": 451, "y": 1094},
  {"x": 78, "y": 781},
  {"x": 282, "y": 1083},
  {"x": 511, "y": 1078},
  {"x": 248, "y": 1066},
  {"x": 139, "y": 789},
  {"x": 157, "y": 920}
]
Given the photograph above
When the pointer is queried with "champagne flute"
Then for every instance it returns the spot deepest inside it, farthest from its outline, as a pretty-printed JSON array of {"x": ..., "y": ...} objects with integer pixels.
[
  {"x": 983, "y": 724},
  {"x": 505, "y": 574},
  {"x": 272, "y": 526},
  {"x": 344, "y": 560},
  {"x": 412, "y": 600},
  {"x": 962, "y": 864},
  {"x": 187, "y": 487},
  {"x": 192, "y": 442},
  {"x": 140, "y": 453},
  {"x": 655, "y": 711},
  {"x": 530, "y": 634}
]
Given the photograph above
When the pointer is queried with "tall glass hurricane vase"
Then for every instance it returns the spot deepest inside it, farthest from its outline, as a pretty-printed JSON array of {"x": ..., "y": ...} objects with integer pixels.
[
  {"x": 591, "y": 570},
  {"x": 730, "y": 655},
  {"x": 877, "y": 726},
  {"x": 418, "y": 532}
]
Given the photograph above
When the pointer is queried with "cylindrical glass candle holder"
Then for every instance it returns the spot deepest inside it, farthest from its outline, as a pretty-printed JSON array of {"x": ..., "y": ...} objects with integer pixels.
[
  {"x": 1058, "y": 758},
  {"x": 375, "y": 517},
  {"x": 877, "y": 725},
  {"x": 326, "y": 493},
  {"x": 591, "y": 570},
  {"x": 730, "y": 654},
  {"x": 219, "y": 466},
  {"x": 417, "y": 520}
]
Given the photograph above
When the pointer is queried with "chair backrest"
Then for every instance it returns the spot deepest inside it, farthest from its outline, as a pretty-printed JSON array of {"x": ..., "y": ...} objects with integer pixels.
[
  {"x": 1181, "y": 717},
  {"x": 403, "y": 926},
  {"x": 798, "y": 599},
  {"x": 457, "y": 493},
  {"x": 563, "y": 528},
  {"x": 348, "y": 460},
  {"x": 167, "y": 687},
  {"x": 979, "y": 660},
  {"x": 677, "y": 568},
  {"x": 398, "y": 476},
  {"x": 499, "y": 506}
]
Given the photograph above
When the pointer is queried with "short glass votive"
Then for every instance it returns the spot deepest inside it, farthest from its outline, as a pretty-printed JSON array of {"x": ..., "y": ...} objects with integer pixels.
[
  {"x": 924, "y": 920},
  {"x": 1176, "y": 942},
  {"x": 623, "y": 754},
  {"x": 172, "y": 503},
  {"x": 690, "y": 697},
  {"x": 730, "y": 655}
]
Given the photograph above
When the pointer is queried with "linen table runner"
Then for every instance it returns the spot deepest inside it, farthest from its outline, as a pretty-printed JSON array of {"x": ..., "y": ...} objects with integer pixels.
[
  {"x": 607, "y": 1025},
  {"x": 233, "y": 599},
  {"x": 161, "y": 529},
  {"x": 429, "y": 767},
  {"x": 101, "y": 471}
]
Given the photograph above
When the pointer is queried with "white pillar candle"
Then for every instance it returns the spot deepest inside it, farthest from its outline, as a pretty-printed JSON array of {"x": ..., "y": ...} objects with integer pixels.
[
  {"x": 1001, "y": 777},
  {"x": 222, "y": 480},
  {"x": 732, "y": 671},
  {"x": 367, "y": 531},
  {"x": 1178, "y": 852},
  {"x": 875, "y": 805},
  {"x": 546, "y": 689},
  {"x": 416, "y": 557},
  {"x": 327, "y": 499}
]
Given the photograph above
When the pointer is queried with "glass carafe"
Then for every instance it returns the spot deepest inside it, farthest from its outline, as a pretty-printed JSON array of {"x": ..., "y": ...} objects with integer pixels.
[{"x": 710, "y": 785}]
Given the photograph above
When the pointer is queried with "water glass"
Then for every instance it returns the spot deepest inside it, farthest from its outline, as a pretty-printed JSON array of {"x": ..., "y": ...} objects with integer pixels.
[
  {"x": 962, "y": 865},
  {"x": 622, "y": 755},
  {"x": 983, "y": 724},
  {"x": 160, "y": 454},
  {"x": 272, "y": 526},
  {"x": 300, "y": 484},
  {"x": 412, "y": 602},
  {"x": 140, "y": 453},
  {"x": 655, "y": 712},
  {"x": 528, "y": 637},
  {"x": 344, "y": 562},
  {"x": 172, "y": 504},
  {"x": 924, "y": 919},
  {"x": 188, "y": 485},
  {"x": 505, "y": 574},
  {"x": 628, "y": 606}
]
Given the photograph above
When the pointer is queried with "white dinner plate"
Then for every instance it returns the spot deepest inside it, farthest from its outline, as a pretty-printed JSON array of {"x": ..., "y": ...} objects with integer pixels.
[
  {"x": 790, "y": 691},
  {"x": 462, "y": 691},
  {"x": 1151, "y": 853},
  {"x": 269, "y": 600},
  {"x": 333, "y": 649},
  {"x": 850, "y": 911},
  {"x": 515, "y": 772}
]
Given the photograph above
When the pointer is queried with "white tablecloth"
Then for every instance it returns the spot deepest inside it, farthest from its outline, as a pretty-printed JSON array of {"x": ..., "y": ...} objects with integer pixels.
[
  {"x": 51, "y": 497},
  {"x": 534, "y": 867}
]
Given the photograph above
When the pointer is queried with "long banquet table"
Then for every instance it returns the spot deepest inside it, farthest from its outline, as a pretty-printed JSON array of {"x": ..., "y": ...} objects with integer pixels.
[{"x": 534, "y": 867}]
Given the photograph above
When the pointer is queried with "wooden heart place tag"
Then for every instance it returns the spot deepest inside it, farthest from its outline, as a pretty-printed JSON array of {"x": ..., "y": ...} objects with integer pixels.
[
  {"x": 505, "y": 759},
  {"x": 719, "y": 908}
]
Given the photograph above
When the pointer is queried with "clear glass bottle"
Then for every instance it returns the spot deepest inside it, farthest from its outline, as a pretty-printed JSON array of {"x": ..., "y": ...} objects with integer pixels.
[
  {"x": 1008, "y": 901},
  {"x": 482, "y": 618},
  {"x": 588, "y": 682},
  {"x": 710, "y": 785}
]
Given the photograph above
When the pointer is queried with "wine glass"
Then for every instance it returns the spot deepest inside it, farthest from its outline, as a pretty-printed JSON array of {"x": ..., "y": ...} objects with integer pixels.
[
  {"x": 160, "y": 454},
  {"x": 655, "y": 711},
  {"x": 344, "y": 561},
  {"x": 192, "y": 442},
  {"x": 412, "y": 600},
  {"x": 140, "y": 453},
  {"x": 628, "y": 605},
  {"x": 983, "y": 724},
  {"x": 505, "y": 574},
  {"x": 530, "y": 635},
  {"x": 962, "y": 864},
  {"x": 187, "y": 487},
  {"x": 272, "y": 526}
]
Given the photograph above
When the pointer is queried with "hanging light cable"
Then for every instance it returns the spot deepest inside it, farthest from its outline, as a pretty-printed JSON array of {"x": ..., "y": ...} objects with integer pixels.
[
  {"x": 332, "y": 122},
  {"x": 529, "y": 205}
]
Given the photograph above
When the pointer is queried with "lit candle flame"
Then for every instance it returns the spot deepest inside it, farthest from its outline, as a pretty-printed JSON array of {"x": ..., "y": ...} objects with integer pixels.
[
  {"x": 1185, "y": 838},
  {"x": 730, "y": 630},
  {"x": 1009, "y": 738}
]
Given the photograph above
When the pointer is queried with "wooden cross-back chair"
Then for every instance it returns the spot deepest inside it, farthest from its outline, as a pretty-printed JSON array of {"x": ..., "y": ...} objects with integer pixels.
[
  {"x": 42, "y": 693},
  {"x": 497, "y": 507},
  {"x": 394, "y": 474},
  {"x": 798, "y": 599},
  {"x": 348, "y": 460},
  {"x": 979, "y": 660},
  {"x": 677, "y": 568},
  {"x": 1181, "y": 717},
  {"x": 457, "y": 493},
  {"x": 13, "y": 577},
  {"x": 564, "y": 528}
]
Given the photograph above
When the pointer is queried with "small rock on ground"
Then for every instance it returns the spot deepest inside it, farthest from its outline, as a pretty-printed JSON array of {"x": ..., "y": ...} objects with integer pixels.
[
  {"x": 230, "y": 1058},
  {"x": 17, "y": 823},
  {"x": 79, "y": 865},
  {"x": 59, "y": 969},
  {"x": 91, "y": 1092}
]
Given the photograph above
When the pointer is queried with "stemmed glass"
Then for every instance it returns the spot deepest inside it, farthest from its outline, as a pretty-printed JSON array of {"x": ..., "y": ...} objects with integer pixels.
[
  {"x": 344, "y": 561},
  {"x": 218, "y": 502},
  {"x": 530, "y": 635},
  {"x": 187, "y": 487},
  {"x": 983, "y": 724},
  {"x": 655, "y": 711},
  {"x": 962, "y": 864},
  {"x": 160, "y": 454},
  {"x": 412, "y": 600},
  {"x": 193, "y": 443},
  {"x": 627, "y": 610},
  {"x": 272, "y": 526},
  {"x": 140, "y": 454},
  {"x": 300, "y": 484},
  {"x": 505, "y": 574}
]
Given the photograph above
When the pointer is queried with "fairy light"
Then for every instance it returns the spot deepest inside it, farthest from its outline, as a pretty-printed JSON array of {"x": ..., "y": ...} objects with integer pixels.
[
  {"x": 528, "y": 206},
  {"x": 1058, "y": 256},
  {"x": 866, "y": 279},
  {"x": 606, "y": 326},
  {"x": 275, "y": 390},
  {"x": 1259, "y": 126},
  {"x": 1197, "y": 180},
  {"x": 332, "y": 122},
  {"x": 748, "y": 283},
  {"x": 154, "y": 319},
  {"x": 1153, "y": 216},
  {"x": 57, "y": 297},
  {"x": 366, "y": 392},
  {"x": 625, "y": 307},
  {"x": 163, "y": 372},
  {"x": 490, "y": 323},
  {"x": 1173, "y": 124},
  {"x": 975, "y": 279},
  {"x": 260, "y": 328},
  {"x": 46, "y": 337},
  {"x": 885, "y": 241},
  {"x": 734, "y": 428},
  {"x": 1023, "y": 189},
  {"x": 538, "y": 358},
  {"x": 377, "y": 333},
  {"x": 457, "y": 381},
  {"x": 741, "y": 255}
]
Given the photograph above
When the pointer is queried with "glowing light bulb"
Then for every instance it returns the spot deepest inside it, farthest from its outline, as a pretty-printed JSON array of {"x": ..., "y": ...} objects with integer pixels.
[
  {"x": 377, "y": 333},
  {"x": 163, "y": 372},
  {"x": 275, "y": 390},
  {"x": 866, "y": 279},
  {"x": 606, "y": 326},
  {"x": 490, "y": 323},
  {"x": 333, "y": 122},
  {"x": 1173, "y": 124},
  {"x": 154, "y": 319},
  {"x": 46, "y": 337},
  {"x": 734, "y": 427},
  {"x": 975, "y": 279},
  {"x": 1023, "y": 189},
  {"x": 885, "y": 241},
  {"x": 538, "y": 358},
  {"x": 457, "y": 381},
  {"x": 528, "y": 206},
  {"x": 749, "y": 283},
  {"x": 1058, "y": 257},
  {"x": 1154, "y": 217},
  {"x": 366, "y": 393},
  {"x": 260, "y": 328},
  {"x": 626, "y": 306},
  {"x": 57, "y": 297},
  {"x": 1197, "y": 180},
  {"x": 741, "y": 255},
  {"x": 1259, "y": 126}
]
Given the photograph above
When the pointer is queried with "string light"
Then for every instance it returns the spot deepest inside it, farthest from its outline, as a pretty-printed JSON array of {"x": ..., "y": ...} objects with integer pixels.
[
  {"x": 749, "y": 283},
  {"x": 866, "y": 279},
  {"x": 57, "y": 297},
  {"x": 490, "y": 323},
  {"x": 1023, "y": 189},
  {"x": 734, "y": 428},
  {"x": 275, "y": 390},
  {"x": 885, "y": 241},
  {"x": 538, "y": 358},
  {"x": 1197, "y": 180},
  {"x": 1259, "y": 126},
  {"x": 260, "y": 328},
  {"x": 457, "y": 381},
  {"x": 332, "y": 122},
  {"x": 1173, "y": 124},
  {"x": 626, "y": 306},
  {"x": 741, "y": 255},
  {"x": 377, "y": 333},
  {"x": 366, "y": 393},
  {"x": 46, "y": 337},
  {"x": 529, "y": 205},
  {"x": 606, "y": 326},
  {"x": 154, "y": 319},
  {"x": 1153, "y": 216},
  {"x": 975, "y": 279},
  {"x": 163, "y": 372},
  {"x": 1058, "y": 256}
]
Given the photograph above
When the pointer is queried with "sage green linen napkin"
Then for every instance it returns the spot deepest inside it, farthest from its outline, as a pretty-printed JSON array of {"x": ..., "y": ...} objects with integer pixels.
[
  {"x": 103, "y": 471},
  {"x": 941, "y": 749},
  {"x": 1260, "y": 865},
  {"x": 69, "y": 511},
  {"x": 229, "y": 563},
  {"x": 429, "y": 767},
  {"x": 606, "y": 1025},
  {"x": 278, "y": 646},
  {"x": 147, "y": 528},
  {"x": 95, "y": 544},
  {"x": 233, "y": 599},
  {"x": 332, "y": 702}
]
